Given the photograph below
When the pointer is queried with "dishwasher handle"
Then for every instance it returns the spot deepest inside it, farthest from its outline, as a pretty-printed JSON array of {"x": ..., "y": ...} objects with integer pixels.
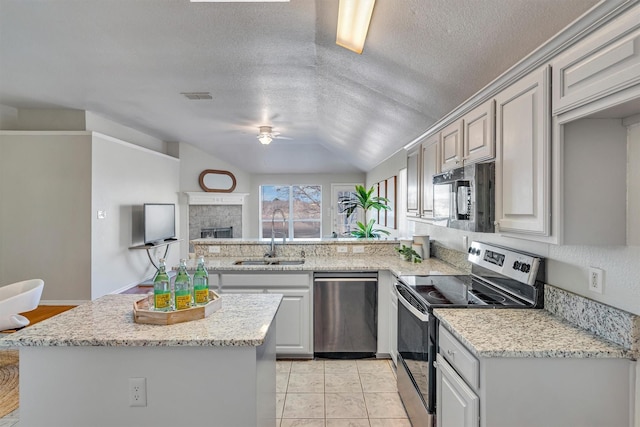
[{"x": 345, "y": 279}]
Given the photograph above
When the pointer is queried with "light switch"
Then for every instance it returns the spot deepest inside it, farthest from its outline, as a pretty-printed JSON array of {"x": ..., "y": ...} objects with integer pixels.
[{"x": 102, "y": 214}]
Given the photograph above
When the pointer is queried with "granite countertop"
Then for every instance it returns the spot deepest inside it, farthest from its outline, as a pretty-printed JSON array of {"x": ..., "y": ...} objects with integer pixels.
[
  {"x": 330, "y": 263},
  {"x": 243, "y": 320},
  {"x": 524, "y": 333}
]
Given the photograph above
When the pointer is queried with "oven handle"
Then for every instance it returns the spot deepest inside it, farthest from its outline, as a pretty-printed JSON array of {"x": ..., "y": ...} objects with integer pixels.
[{"x": 421, "y": 316}]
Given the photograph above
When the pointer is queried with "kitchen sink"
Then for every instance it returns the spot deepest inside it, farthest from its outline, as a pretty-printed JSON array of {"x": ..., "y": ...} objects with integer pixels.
[{"x": 269, "y": 262}]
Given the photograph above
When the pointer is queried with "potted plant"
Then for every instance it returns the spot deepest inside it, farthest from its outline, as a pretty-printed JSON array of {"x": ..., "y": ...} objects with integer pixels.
[
  {"x": 365, "y": 200},
  {"x": 409, "y": 254}
]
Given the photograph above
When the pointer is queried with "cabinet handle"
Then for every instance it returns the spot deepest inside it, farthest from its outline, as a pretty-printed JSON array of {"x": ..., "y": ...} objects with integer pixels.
[{"x": 451, "y": 353}]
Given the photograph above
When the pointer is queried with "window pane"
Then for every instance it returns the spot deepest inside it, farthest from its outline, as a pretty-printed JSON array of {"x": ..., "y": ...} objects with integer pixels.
[
  {"x": 307, "y": 202},
  {"x": 274, "y": 197},
  {"x": 277, "y": 228},
  {"x": 306, "y": 230}
]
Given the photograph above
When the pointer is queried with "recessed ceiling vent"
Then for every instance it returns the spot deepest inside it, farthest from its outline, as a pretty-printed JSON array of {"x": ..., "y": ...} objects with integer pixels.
[{"x": 197, "y": 95}]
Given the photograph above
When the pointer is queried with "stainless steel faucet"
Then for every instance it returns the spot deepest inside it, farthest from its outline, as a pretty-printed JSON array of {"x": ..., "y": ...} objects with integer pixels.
[{"x": 272, "y": 252}]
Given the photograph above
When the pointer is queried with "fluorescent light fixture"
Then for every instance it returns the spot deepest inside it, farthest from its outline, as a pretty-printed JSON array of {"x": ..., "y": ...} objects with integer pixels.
[
  {"x": 353, "y": 23},
  {"x": 238, "y": 1}
]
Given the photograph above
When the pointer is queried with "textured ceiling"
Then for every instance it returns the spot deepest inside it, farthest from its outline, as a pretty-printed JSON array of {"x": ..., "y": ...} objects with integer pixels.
[{"x": 268, "y": 64}]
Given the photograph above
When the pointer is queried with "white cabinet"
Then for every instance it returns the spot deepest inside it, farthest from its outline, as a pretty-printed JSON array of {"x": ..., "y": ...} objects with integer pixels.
[
  {"x": 393, "y": 325},
  {"x": 479, "y": 142},
  {"x": 470, "y": 139},
  {"x": 430, "y": 166},
  {"x": 530, "y": 391},
  {"x": 413, "y": 182},
  {"x": 293, "y": 321},
  {"x": 451, "y": 146},
  {"x": 603, "y": 63},
  {"x": 523, "y": 157},
  {"x": 456, "y": 404},
  {"x": 423, "y": 162}
]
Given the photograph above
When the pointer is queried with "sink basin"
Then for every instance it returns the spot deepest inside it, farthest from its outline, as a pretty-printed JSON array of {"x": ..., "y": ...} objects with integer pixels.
[{"x": 269, "y": 262}]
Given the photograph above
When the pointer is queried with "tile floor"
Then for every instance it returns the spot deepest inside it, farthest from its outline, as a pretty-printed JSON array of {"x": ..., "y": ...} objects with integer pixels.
[
  {"x": 328, "y": 393},
  {"x": 338, "y": 393}
]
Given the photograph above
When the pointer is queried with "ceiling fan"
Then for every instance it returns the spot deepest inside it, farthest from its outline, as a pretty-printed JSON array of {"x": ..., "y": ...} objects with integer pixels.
[{"x": 266, "y": 135}]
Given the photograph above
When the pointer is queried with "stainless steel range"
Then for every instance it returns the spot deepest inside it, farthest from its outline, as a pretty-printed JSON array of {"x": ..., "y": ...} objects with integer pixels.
[{"x": 500, "y": 278}]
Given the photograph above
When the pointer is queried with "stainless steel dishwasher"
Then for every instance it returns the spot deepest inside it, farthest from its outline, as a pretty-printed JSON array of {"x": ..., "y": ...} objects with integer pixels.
[{"x": 345, "y": 315}]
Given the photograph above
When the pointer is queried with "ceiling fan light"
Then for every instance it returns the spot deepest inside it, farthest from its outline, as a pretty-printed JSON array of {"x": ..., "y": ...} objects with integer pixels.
[
  {"x": 265, "y": 138},
  {"x": 354, "y": 17}
]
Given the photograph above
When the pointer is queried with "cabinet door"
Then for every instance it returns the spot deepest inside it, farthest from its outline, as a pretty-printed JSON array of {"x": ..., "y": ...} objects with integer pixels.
[
  {"x": 293, "y": 322},
  {"x": 479, "y": 142},
  {"x": 456, "y": 404},
  {"x": 430, "y": 167},
  {"x": 523, "y": 157},
  {"x": 605, "y": 62},
  {"x": 393, "y": 326},
  {"x": 451, "y": 146},
  {"x": 413, "y": 182}
]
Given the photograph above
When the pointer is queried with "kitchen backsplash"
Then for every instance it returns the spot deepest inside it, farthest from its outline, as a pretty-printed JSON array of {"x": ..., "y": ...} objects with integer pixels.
[
  {"x": 250, "y": 249},
  {"x": 610, "y": 323}
]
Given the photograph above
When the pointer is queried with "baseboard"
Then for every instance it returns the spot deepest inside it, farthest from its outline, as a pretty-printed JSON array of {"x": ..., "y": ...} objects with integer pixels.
[{"x": 62, "y": 302}]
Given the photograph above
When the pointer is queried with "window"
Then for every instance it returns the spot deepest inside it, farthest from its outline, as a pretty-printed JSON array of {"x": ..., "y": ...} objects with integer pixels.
[{"x": 301, "y": 206}]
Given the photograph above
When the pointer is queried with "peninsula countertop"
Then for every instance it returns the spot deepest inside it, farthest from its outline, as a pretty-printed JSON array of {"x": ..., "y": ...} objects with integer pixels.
[
  {"x": 334, "y": 263},
  {"x": 243, "y": 320},
  {"x": 528, "y": 333}
]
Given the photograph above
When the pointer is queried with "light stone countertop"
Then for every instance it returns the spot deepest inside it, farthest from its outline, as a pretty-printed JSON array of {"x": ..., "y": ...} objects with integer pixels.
[
  {"x": 524, "y": 333},
  {"x": 243, "y": 320},
  {"x": 333, "y": 263}
]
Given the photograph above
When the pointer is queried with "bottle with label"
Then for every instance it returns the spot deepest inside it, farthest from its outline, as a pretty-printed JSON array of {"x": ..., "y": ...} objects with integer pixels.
[
  {"x": 162, "y": 289},
  {"x": 182, "y": 286},
  {"x": 201, "y": 284}
]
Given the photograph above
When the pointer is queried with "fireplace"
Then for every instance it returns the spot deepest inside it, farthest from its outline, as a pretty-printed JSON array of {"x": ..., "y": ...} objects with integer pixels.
[{"x": 216, "y": 232}]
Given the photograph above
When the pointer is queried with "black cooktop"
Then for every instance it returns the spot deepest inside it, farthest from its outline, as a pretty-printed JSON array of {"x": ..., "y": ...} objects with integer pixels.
[{"x": 458, "y": 291}]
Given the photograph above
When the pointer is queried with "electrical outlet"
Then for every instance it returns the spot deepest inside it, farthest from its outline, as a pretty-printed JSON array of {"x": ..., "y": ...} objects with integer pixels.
[
  {"x": 342, "y": 249},
  {"x": 214, "y": 249},
  {"x": 137, "y": 392},
  {"x": 358, "y": 249},
  {"x": 595, "y": 280},
  {"x": 102, "y": 214}
]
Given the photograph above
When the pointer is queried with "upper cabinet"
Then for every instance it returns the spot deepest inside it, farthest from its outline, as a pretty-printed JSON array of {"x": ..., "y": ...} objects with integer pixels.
[
  {"x": 603, "y": 63},
  {"x": 451, "y": 153},
  {"x": 430, "y": 166},
  {"x": 479, "y": 134},
  {"x": 470, "y": 139},
  {"x": 413, "y": 182},
  {"x": 423, "y": 162},
  {"x": 523, "y": 157}
]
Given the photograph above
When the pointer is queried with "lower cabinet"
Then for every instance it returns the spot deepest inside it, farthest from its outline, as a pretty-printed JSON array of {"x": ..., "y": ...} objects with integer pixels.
[
  {"x": 456, "y": 404},
  {"x": 530, "y": 391},
  {"x": 293, "y": 321},
  {"x": 393, "y": 325}
]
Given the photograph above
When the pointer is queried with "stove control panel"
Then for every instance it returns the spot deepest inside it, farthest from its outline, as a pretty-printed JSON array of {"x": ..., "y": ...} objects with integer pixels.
[{"x": 515, "y": 265}]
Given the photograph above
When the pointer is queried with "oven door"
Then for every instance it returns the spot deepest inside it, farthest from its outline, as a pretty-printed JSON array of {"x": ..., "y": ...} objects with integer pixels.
[{"x": 416, "y": 350}]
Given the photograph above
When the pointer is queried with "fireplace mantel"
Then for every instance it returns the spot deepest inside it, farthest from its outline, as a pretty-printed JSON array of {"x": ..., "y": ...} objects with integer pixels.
[{"x": 204, "y": 198}]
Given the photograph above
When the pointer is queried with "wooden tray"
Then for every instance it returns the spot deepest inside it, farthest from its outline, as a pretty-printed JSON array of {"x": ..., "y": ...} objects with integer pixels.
[{"x": 142, "y": 314}]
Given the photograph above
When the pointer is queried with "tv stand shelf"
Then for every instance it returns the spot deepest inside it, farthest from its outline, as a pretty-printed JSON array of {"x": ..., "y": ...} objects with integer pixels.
[{"x": 167, "y": 244}]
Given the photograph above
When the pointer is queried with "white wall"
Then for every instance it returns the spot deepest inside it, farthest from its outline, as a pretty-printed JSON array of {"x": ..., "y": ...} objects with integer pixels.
[
  {"x": 124, "y": 177},
  {"x": 192, "y": 162},
  {"x": 325, "y": 180},
  {"x": 387, "y": 169},
  {"x": 45, "y": 212}
]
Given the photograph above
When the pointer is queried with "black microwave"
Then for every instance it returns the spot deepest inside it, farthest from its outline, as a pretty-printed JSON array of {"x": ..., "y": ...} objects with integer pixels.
[{"x": 464, "y": 198}]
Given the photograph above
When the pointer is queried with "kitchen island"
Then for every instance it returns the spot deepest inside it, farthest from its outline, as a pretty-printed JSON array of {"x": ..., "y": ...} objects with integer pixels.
[{"x": 75, "y": 368}]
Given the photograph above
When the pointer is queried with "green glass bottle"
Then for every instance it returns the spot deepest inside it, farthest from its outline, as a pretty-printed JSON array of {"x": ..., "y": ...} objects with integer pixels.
[
  {"x": 162, "y": 289},
  {"x": 201, "y": 284},
  {"x": 182, "y": 286}
]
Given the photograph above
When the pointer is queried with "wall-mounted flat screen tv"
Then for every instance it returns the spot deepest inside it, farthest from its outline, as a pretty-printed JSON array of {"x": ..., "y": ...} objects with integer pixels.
[{"x": 159, "y": 222}]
